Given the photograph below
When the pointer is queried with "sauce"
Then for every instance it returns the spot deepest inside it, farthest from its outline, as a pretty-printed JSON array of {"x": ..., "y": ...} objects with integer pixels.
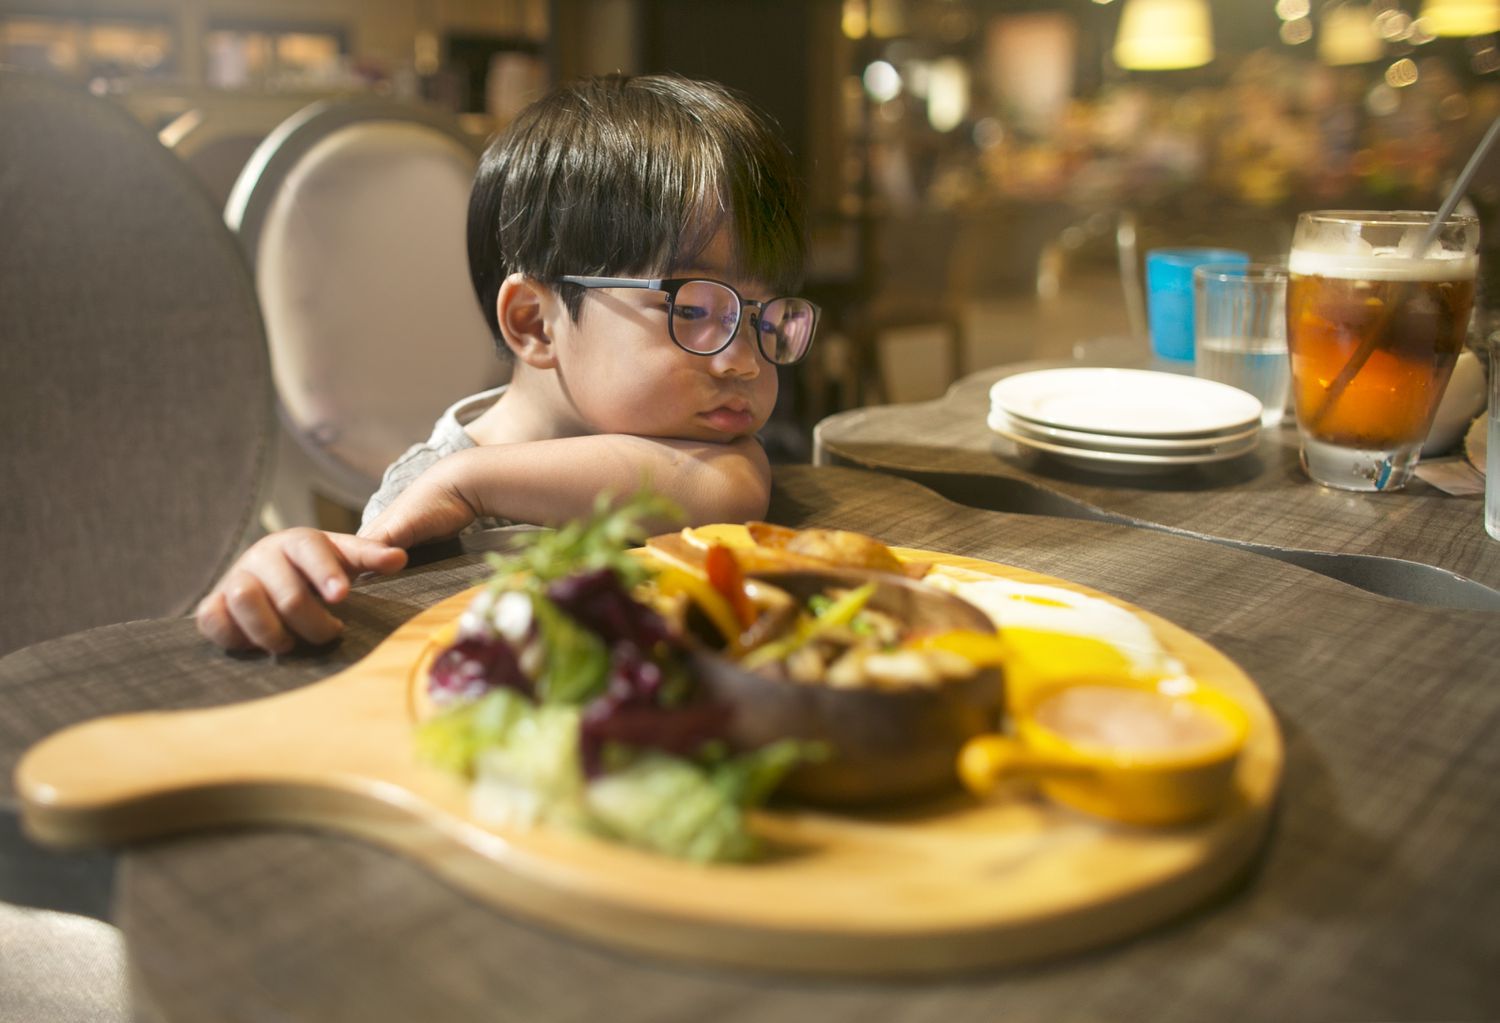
[{"x": 1124, "y": 720}]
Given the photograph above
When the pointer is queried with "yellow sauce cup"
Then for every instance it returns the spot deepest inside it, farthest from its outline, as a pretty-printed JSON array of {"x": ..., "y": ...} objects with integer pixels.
[{"x": 1155, "y": 787}]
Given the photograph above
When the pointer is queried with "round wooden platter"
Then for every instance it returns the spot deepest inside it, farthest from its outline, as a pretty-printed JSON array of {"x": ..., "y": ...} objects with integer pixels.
[{"x": 952, "y": 885}]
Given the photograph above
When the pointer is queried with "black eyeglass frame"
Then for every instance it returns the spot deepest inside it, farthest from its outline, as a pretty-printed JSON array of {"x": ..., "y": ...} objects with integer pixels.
[{"x": 670, "y": 286}]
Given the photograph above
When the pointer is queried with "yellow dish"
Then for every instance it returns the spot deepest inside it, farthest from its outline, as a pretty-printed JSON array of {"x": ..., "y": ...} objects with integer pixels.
[{"x": 1138, "y": 751}]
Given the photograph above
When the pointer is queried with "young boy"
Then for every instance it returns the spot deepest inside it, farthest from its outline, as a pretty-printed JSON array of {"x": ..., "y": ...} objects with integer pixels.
[{"x": 629, "y": 239}]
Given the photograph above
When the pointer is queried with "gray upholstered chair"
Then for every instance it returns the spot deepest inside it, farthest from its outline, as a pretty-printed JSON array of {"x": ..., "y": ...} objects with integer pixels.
[
  {"x": 352, "y": 214},
  {"x": 136, "y": 418},
  {"x": 136, "y": 415}
]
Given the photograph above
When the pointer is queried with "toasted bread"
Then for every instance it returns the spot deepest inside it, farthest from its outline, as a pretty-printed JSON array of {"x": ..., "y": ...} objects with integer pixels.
[{"x": 777, "y": 548}]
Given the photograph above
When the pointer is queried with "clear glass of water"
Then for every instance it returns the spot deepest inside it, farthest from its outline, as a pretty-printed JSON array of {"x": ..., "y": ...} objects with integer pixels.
[
  {"x": 1492, "y": 445},
  {"x": 1239, "y": 333}
]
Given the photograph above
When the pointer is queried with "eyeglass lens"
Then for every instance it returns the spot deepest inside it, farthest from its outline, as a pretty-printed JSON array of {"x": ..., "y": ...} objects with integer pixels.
[{"x": 706, "y": 313}]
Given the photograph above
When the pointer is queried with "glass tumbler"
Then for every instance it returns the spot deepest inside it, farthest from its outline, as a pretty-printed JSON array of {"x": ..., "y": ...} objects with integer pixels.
[
  {"x": 1239, "y": 330},
  {"x": 1375, "y": 322}
]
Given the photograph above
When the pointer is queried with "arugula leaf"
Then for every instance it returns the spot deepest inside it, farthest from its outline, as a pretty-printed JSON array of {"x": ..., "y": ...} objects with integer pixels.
[{"x": 601, "y": 540}]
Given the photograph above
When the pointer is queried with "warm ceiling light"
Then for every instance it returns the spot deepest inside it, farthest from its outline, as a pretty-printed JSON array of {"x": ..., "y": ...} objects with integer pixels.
[
  {"x": 1461, "y": 17},
  {"x": 856, "y": 19},
  {"x": 1160, "y": 35},
  {"x": 1347, "y": 35},
  {"x": 948, "y": 93}
]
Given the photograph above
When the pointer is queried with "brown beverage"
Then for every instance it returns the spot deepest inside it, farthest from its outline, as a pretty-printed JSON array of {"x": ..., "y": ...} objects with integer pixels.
[
  {"x": 1372, "y": 347},
  {"x": 1377, "y": 309}
]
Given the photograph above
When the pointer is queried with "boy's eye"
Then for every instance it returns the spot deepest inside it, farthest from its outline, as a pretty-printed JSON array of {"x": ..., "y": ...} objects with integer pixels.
[{"x": 690, "y": 312}]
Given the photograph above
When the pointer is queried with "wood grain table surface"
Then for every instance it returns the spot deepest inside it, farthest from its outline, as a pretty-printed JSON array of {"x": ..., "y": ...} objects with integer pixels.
[
  {"x": 1375, "y": 898},
  {"x": 1418, "y": 543}
]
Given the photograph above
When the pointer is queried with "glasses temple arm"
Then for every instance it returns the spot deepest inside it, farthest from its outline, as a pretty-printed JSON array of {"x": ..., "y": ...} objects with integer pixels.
[{"x": 653, "y": 284}]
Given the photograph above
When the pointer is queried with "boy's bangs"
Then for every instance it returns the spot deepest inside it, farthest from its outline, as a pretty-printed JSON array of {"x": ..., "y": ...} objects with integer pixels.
[
  {"x": 685, "y": 226},
  {"x": 688, "y": 160},
  {"x": 714, "y": 187},
  {"x": 766, "y": 243}
]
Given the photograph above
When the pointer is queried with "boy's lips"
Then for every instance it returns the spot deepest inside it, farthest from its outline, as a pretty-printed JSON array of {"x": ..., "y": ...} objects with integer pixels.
[{"x": 731, "y": 417}]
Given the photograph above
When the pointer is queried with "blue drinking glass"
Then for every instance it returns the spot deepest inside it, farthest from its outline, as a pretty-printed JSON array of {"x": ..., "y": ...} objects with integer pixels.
[{"x": 1169, "y": 295}]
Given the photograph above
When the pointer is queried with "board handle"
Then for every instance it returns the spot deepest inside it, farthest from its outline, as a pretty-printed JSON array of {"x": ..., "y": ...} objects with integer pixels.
[{"x": 292, "y": 757}]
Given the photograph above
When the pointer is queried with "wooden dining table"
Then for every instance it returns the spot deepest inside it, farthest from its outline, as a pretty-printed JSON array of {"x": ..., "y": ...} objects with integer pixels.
[
  {"x": 1374, "y": 897},
  {"x": 1418, "y": 544}
]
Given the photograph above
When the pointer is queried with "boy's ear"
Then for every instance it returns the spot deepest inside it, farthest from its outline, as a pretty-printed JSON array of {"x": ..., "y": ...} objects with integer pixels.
[{"x": 524, "y": 309}]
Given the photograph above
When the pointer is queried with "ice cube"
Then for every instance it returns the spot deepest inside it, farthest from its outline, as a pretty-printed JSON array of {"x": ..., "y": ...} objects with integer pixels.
[
  {"x": 1336, "y": 238},
  {"x": 1411, "y": 241}
]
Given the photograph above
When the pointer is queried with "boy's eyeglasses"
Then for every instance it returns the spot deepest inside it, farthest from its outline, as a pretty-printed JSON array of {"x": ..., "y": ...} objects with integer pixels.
[{"x": 704, "y": 314}]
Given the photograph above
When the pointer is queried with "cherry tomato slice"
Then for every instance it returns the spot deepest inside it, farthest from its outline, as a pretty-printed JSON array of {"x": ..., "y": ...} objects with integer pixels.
[{"x": 725, "y": 576}]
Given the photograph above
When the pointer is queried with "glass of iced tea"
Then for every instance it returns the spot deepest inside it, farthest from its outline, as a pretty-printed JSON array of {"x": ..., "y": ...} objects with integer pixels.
[{"x": 1374, "y": 327}]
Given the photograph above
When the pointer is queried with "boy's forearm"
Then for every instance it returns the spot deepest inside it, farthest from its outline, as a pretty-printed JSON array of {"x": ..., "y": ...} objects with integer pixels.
[{"x": 549, "y": 482}]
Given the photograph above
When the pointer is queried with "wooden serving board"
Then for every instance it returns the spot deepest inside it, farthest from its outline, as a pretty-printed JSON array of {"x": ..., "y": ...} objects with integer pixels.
[{"x": 951, "y": 886}]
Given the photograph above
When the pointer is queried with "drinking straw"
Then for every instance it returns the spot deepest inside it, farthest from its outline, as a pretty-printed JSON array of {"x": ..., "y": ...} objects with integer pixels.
[
  {"x": 1459, "y": 187},
  {"x": 1367, "y": 344}
]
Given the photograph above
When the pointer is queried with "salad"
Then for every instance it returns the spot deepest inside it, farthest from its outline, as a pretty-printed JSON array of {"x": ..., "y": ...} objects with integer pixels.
[{"x": 565, "y": 700}]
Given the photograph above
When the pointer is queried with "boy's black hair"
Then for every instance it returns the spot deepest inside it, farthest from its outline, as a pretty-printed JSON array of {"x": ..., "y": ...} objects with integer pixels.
[{"x": 633, "y": 176}]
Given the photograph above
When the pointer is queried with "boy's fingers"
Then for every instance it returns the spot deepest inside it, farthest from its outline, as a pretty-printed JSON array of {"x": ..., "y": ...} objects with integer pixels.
[
  {"x": 216, "y": 625},
  {"x": 329, "y": 560},
  {"x": 364, "y": 554},
  {"x": 289, "y": 587},
  {"x": 277, "y": 591},
  {"x": 252, "y": 611},
  {"x": 320, "y": 561},
  {"x": 388, "y": 531},
  {"x": 333, "y": 561}
]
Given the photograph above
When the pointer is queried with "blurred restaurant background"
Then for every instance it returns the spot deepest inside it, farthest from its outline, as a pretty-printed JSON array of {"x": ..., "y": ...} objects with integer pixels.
[
  {"x": 983, "y": 175},
  {"x": 984, "y": 178}
]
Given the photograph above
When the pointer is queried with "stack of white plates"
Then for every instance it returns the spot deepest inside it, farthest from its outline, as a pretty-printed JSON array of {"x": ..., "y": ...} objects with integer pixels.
[{"x": 1125, "y": 420}]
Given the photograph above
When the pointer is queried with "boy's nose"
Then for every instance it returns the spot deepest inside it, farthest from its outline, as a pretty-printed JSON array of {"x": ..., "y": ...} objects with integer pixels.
[{"x": 742, "y": 356}]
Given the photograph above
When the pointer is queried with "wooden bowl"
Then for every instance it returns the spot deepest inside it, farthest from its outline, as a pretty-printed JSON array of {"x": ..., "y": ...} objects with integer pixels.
[{"x": 883, "y": 745}]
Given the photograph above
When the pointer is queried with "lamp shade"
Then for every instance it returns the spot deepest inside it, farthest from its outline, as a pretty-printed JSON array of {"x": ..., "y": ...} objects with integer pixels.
[
  {"x": 1461, "y": 17},
  {"x": 1160, "y": 35}
]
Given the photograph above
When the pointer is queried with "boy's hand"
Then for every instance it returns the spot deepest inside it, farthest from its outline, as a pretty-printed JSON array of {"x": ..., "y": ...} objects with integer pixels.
[
  {"x": 276, "y": 591},
  {"x": 432, "y": 508}
]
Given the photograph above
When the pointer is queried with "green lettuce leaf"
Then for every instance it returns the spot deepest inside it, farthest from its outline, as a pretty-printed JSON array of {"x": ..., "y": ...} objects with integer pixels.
[
  {"x": 577, "y": 665},
  {"x": 670, "y": 806}
]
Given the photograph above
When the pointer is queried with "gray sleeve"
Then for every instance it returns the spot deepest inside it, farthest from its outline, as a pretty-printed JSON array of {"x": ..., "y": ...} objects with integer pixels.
[
  {"x": 398, "y": 476},
  {"x": 448, "y": 437}
]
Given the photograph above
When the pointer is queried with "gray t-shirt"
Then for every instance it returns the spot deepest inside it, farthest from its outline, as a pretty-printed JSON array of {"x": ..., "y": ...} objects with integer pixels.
[{"x": 448, "y": 436}]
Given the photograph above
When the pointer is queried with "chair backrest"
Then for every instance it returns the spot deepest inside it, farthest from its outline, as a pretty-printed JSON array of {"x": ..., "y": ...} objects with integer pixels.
[
  {"x": 217, "y": 136},
  {"x": 137, "y": 414},
  {"x": 353, "y": 216}
]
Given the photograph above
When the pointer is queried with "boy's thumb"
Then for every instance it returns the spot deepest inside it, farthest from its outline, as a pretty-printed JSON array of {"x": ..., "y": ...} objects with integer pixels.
[{"x": 368, "y": 554}]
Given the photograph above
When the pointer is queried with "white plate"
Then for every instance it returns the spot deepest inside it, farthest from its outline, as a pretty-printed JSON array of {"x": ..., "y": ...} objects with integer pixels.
[
  {"x": 1116, "y": 442},
  {"x": 1126, "y": 402},
  {"x": 1121, "y": 461}
]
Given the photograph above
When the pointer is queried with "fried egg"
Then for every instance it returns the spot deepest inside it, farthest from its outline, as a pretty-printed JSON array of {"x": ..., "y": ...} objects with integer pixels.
[{"x": 1051, "y": 632}]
